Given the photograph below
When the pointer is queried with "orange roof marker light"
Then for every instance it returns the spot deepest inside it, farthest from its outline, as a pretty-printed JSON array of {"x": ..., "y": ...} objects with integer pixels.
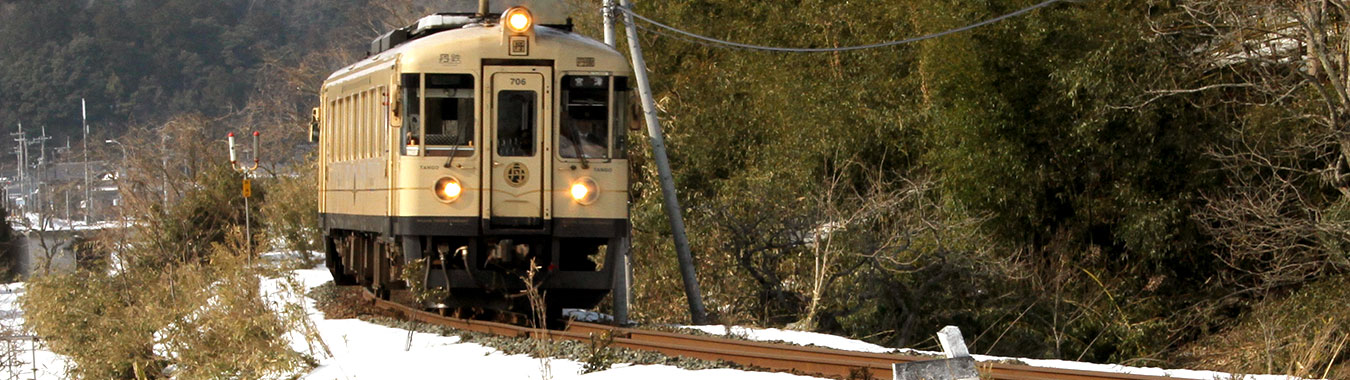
[{"x": 518, "y": 19}]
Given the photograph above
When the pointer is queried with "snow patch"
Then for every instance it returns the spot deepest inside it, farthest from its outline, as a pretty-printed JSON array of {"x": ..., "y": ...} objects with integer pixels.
[
  {"x": 33, "y": 360},
  {"x": 795, "y": 337},
  {"x": 842, "y": 343}
]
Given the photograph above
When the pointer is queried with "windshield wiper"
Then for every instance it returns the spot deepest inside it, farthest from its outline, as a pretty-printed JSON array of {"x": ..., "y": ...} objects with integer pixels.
[{"x": 576, "y": 146}]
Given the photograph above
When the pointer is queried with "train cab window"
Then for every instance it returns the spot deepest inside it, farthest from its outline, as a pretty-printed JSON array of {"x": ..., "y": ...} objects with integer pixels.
[
  {"x": 584, "y": 128},
  {"x": 412, "y": 115},
  {"x": 623, "y": 96},
  {"x": 449, "y": 115},
  {"x": 515, "y": 123}
]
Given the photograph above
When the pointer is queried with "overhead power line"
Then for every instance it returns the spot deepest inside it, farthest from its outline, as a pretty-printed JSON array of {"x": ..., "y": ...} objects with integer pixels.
[{"x": 709, "y": 41}]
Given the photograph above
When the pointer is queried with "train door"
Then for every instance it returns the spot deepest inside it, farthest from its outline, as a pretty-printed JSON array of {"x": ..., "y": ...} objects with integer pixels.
[{"x": 518, "y": 114}]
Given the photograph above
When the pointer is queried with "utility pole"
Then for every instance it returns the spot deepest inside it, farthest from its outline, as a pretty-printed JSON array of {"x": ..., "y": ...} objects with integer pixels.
[
  {"x": 658, "y": 141},
  {"x": 623, "y": 274},
  {"x": 608, "y": 13},
  {"x": 42, "y": 175},
  {"x": 42, "y": 154},
  {"x": 88, "y": 201},
  {"x": 64, "y": 155},
  {"x": 22, "y": 167}
]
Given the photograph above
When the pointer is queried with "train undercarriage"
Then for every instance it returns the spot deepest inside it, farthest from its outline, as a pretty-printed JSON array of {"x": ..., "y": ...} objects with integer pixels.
[{"x": 489, "y": 272}]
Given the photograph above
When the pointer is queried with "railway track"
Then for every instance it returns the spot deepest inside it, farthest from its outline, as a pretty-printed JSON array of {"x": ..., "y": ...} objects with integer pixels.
[{"x": 815, "y": 361}]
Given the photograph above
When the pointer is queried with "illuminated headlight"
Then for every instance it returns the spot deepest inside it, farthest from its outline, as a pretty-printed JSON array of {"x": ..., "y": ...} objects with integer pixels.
[
  {"x": 448, "y": 189},
  {"x": 518, "y": 19},
  {"x": 584, "y": 191}
]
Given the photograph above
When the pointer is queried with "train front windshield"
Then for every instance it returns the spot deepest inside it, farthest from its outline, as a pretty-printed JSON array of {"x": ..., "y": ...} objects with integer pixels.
[{"x": 593, "y": 106}]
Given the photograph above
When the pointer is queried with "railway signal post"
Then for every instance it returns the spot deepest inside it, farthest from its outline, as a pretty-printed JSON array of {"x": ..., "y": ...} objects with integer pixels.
[{"x": 247, "y": 185}]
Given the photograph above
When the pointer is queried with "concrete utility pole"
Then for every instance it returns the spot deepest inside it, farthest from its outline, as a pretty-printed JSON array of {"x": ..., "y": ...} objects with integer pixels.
[
  {"x": 22, "y": 166},
  {"x": 88, "y": 201},
  {"x": 623, "y": 274},
  {"x": 608, "y": 13},
  {"x": 658, "y": 141},
  {"x": 42, "y": 176}
]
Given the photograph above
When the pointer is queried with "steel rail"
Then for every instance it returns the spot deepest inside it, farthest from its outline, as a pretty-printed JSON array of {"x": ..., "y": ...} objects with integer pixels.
[{"x": 804, "y": 360}]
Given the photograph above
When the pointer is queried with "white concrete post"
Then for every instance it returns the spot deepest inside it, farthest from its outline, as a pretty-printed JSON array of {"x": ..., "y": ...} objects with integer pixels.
[{"x": 952, "y": 343}]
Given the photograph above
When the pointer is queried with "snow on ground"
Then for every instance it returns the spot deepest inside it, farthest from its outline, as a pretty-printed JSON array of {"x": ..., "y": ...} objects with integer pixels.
[
  {"x": 841, "y": 343},
  {"x": 362, "y": 350},
  {"x": 33, "y": 221},
  {"x": 31, "y": 361},
  {"x": 795, "y": 337}
]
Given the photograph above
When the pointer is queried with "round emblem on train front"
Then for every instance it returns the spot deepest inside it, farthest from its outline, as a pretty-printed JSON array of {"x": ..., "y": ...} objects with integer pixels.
[{"x": 517, "y": 174}]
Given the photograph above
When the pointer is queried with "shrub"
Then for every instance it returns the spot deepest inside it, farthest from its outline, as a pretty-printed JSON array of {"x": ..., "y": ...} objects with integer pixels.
[
  {"x": 180, "y": 296},
  {"x": 290, "y": 212},
  {"x": 208, "y": 319}
]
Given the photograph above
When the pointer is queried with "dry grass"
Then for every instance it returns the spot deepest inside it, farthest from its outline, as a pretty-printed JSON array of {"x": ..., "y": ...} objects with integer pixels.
[{"x": 1304, "y": 334}]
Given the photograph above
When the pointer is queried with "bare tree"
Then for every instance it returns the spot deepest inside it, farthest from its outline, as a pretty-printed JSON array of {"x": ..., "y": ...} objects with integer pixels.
[
  {"x": 860, "y": 222},
  {"x": 867, "y": 221},
  {"x": 1278, "y": 70}
]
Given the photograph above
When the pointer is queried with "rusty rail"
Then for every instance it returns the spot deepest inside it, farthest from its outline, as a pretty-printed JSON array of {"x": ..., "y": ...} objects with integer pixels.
[{"x": 815, "y": 361}]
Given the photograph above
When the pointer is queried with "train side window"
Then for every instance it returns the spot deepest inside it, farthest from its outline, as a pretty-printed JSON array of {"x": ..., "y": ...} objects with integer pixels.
[
  {"x": 330, "y": 129},
  {"x": 343, "y": 128},
  {"x": 340, "y": 138},
  {"x": 344, "y": 139},
  {"x": 515, "y": 123},
  {"x": 372, "y": 123},
  {"x": 361, "y": 127},
  {"x": 449, "y": 115},
  {"x": 412, "y": 110},
  {"x": 367, "y": 124},
  {"x": 584, "y": 128}
]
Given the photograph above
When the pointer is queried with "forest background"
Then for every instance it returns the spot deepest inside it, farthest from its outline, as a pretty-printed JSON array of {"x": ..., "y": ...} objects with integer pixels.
[{"x": 1146, "y": 182}]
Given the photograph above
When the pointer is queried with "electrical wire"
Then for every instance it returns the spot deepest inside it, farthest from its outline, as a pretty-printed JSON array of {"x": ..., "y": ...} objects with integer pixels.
[
  {"x": 663, "y": 33},
  {"x": 723, "y": 43}
]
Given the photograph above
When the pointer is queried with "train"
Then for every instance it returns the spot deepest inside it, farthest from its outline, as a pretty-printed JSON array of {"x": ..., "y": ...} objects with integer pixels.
[{"x": 470, "y": 157}]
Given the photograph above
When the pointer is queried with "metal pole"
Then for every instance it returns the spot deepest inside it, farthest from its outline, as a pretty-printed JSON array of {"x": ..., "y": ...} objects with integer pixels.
[
  {"x": 248, "y": 234},
  {"x": 623, "y": 280},
  {"x": 608, "y": 14},
  {"x": 22, "y": 168},
  {"x": 247, "y": 171},
  {"x": 622, "y": 274},
  {"x": 42, "y": 177},
  {"x": 658, "y": 141},
  {"x": 88, "y": 202}
]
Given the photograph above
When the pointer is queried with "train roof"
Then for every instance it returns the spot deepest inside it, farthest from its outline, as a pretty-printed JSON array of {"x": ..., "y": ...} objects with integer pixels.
[{"x": 444, "y": 28}]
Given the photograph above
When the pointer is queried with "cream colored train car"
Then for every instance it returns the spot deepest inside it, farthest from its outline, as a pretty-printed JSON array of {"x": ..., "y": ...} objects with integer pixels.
[{"x": 475, "y": 146}]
